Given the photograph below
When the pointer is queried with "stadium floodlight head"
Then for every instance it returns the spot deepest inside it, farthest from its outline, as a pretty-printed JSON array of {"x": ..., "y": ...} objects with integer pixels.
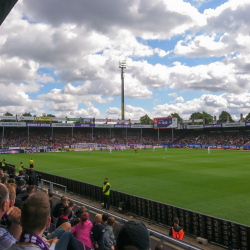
[{"x": 122, "y": 65}]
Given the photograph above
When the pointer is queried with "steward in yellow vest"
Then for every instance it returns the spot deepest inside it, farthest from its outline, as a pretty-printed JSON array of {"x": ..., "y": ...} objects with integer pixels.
[
  {"x": 21, "y": 166},
  {"x": 3, "y": 163},
  {"x": 106, "y": 192},
  {"x": 31, "y": 162}
]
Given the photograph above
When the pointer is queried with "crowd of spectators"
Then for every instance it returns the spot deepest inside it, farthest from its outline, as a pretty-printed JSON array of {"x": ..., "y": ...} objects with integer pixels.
[{"x": 18, "y": 137}]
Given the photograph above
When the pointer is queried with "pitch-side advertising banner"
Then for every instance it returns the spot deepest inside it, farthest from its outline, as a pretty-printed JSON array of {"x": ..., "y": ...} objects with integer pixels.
[
  {"x": 165, "y": 122},
  {"x": 2, "y": 117}
]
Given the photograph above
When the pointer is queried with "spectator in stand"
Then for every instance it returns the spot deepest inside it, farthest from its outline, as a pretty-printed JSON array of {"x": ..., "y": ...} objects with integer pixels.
[
  {"x": 63, "y": 218},
  {"x": 133, "y": 235},
  {"x": 80, "y": 211},
  {"x": 4, "y": 179},
  {"x": 60, "y": 204},
  {"x": 176, "y": 231},
  {"x": 51, "y": 196},
  {"x": 32, "y": 178},
  {"x": 159, "y": 246},
  {"x": 82, "y": 230},
  {"x": 13, "y": 214},
  {"x": 22, "y": 197},
  {"x": 105, "y": 219},
  {"x": 109, "y": 238},
  {"x": 22, "y": 175},
  {"x": 12, "y": 180},
  {"x": 97, "y": 233},
  {"x": 20, "y": 186},
  {"x": 13, "y": 173},
  {"x": 34, "y": 219},
  {"x": 71, "y": 205}
]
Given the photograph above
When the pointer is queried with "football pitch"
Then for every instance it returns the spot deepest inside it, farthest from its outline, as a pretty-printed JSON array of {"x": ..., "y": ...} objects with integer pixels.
[{"x": 216, "y": 184}]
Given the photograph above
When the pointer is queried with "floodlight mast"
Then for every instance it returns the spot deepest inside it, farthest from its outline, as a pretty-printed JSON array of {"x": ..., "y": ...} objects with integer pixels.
[{"x": 122, "y": 65}]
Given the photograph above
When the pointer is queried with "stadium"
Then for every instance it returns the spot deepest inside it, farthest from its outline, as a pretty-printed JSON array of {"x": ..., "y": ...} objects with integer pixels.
[{"x": 161, "y": 173}]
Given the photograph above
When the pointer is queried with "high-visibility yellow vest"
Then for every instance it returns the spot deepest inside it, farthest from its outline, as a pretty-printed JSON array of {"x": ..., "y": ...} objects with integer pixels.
[
  {"x": 31, "y": 162},
  {"x": 104, "y": 188},
  {"x": 21, "y": 167},
  {"x": 3, "y": 163}
]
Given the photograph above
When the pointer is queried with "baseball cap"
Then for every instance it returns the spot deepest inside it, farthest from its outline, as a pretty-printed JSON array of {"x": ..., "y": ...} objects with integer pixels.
[
  {"x": 133, "y": 233},
  {"x": 21, "y": 182}
]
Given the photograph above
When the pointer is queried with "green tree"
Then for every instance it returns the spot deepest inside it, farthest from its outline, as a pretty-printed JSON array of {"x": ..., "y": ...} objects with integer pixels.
[
  {"x": 27, "y": 114},
  {"x": 8, "y": 114},
  {"x": 50, "y": 115},
  {"x": 199, "y": 115},
  {"x": 176, "y": 115},
  {"x": 146, "y": 120},
  {"x": 223, "y": 117}
]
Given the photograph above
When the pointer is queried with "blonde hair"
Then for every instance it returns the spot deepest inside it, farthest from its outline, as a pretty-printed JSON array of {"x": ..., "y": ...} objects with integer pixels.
[
  {"x": 98, "y": 218},
  {"x": 12, "y": 190},
  {"x": 83, "y": 209}
]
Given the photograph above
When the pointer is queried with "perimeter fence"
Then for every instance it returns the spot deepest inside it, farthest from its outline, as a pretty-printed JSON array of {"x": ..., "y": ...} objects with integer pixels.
[{"x": 216, "y": 230}]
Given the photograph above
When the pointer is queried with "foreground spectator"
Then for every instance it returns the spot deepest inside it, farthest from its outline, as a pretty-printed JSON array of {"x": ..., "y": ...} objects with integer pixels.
[
  {"x": 79, "y": 212},
  {"x": 51, "y": 196},
  {"x": 109, "y": 238},
  {"x": 22, "y": 197},
  {"x": 22, "y": 175},
  {"x": 12, "y": 214},
  {"x": 63, "y": 218},
  {"x": 133, "y": 234},
  {"x": 34, "y": 219},
  {"x": 83, "y": 229},
  {"x": 159, "y": 246},
  {"x": 32, "y": 178},
  {"x": 20, "y": 186},
  {"x": 105, "y": 219},
  {"x": 176, "y": 231},
  {"x": 97, "y": 233},
  {"x": 71, "y": 205},
  {"x": 60, "y": 204}
]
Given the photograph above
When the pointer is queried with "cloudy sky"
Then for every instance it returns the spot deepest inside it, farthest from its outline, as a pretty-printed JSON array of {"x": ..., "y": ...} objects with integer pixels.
[{"x": 61, "y": 57}]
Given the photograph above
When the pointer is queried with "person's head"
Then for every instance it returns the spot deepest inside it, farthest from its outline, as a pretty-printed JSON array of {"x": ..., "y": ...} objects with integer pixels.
[
  {"x": 159, "y": 246},
  {"x": 83, "y": 209},
  {"x": 98, "y": 219},
  {"x": 31, "y": 171},
  {"x": 1, "y": 171},
  {"x": 105, "y": 217},
  {"x": 4, "y": 179},
  {"x": 111, "y": 221},
  {"x": 30, "y": 190},
  {"x": 21, "y": 172},
  {"x": 66, "y": 211},
  {"x": 71, "y": 204},
  {"x": 3, "y": 159},
  {"x": 31, "y": 158},
  {"x": 51, "y": 195},
  {"x": 60, "y": 211},
  {"x": 22, "y": 183},
  {"x": 133, "y": 235},
  {"x": 13, "y": 170},
  {"x": 21, "y": 163},
  {"x": 12, "y": 193},
  {"x": 35, "y": 213},
  {"x": 76, "y": 221},
  {"x": 106, "y": 180},
  {"x": 64, "y": 200},
  {"x": 4, "y": 200},
  {"x": 176, "y": 221},
  {"x": 84, "y": 217},
  {"x": 12, "y": 180}
]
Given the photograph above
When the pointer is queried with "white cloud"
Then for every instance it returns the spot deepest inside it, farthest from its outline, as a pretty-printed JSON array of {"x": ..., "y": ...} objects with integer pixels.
[
  {"x": 179, "y": 99},
  {"x": 173, "y": 94}
]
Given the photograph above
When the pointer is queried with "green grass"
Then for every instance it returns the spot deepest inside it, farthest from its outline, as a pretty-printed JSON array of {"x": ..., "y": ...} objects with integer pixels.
[{"x": 217, "y": 184}]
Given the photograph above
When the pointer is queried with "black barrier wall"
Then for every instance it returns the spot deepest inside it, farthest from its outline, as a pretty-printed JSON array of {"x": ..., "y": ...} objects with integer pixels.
[{"x": 223, "y": 232}]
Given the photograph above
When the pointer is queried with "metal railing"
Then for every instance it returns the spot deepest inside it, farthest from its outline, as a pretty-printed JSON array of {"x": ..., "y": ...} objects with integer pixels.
[{"x": 51, "y": 186}]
